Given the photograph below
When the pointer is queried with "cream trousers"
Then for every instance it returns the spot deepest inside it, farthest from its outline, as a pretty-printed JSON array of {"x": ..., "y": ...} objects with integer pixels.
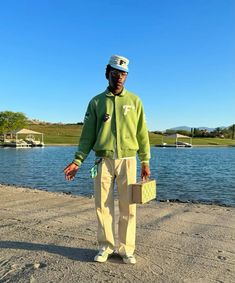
[{"x": 123, "y": 171}]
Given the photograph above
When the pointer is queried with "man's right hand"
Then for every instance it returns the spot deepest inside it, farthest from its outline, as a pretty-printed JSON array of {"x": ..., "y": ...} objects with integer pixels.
[{"x": 70, "y": 171}]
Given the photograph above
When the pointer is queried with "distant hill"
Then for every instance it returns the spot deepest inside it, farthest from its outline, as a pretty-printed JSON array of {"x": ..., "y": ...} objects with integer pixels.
[
  {"x": 182, "y": 128},
  {"x": 186, "y": 128}
]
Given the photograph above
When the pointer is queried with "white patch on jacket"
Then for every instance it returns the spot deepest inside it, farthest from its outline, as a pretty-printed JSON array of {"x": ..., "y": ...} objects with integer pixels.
[{"x": 127, "y": 108}]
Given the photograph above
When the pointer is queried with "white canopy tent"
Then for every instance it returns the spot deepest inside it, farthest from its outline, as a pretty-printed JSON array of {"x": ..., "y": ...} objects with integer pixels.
[
  {"x": 16, "y": 134},
  {"x": 178, "y": 136}
]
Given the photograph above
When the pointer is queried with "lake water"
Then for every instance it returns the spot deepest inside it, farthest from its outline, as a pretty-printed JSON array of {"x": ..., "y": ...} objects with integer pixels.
[{"x": 195, "y": 174}]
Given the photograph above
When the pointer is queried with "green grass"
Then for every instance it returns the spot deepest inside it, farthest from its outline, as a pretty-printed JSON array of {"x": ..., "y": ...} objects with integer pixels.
[
  {"x": 58, "y": 134},
  {"x": 213, "y": 141},
  {"x": 155, "y": 138},
  {"x": 70, "y": 134}
]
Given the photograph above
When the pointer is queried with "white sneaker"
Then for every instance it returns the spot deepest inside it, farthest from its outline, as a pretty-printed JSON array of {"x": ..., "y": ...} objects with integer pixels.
[
  {"x": 129, "y": 259},
  {"x": 102, "y": 256}
]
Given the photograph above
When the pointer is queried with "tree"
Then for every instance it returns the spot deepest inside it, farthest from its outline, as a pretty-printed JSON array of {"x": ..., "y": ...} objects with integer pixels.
[
  {"x": 196, "y": 132},
  {"x": 232, "y": 131},
  {"x": 217, "y": 132},
  {"x": 10, "y": 121},
  {"x": 229, "y": 132}
]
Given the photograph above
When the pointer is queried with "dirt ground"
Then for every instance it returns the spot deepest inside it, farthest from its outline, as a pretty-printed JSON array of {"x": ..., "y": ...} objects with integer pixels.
[{"x": 50, "y": 237}]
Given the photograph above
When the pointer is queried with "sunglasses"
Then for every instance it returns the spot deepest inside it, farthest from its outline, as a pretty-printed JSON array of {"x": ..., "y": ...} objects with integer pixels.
[{"x": 117, "y": 74}]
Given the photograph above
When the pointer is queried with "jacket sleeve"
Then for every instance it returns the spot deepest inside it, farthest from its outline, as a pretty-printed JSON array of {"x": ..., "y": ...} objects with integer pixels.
[
  {"x": 142, "y": 135},
  {"x": 88, "y": 134}
]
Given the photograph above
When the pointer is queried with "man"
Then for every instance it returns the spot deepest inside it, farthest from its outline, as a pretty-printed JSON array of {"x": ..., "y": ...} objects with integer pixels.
[{"x": 115, "y": 128}]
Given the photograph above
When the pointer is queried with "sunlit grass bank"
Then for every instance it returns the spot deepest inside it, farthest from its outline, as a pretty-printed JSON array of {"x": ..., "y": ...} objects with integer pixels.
[{"x": 70, "y": 133}]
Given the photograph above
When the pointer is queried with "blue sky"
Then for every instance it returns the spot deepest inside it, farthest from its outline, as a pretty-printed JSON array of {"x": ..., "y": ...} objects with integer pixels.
[{"x": 53, "y": 56}]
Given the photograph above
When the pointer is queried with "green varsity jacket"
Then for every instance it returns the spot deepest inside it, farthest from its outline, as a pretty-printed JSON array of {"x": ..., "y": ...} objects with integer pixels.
[{"x": 114, "y": 127}]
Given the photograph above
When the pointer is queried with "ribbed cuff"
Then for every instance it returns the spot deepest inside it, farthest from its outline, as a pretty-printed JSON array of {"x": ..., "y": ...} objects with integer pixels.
[{"x": 77, "y": 162}]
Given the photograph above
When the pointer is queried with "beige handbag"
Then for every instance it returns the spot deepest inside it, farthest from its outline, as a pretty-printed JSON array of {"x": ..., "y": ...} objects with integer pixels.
[{"x": 144, "y": 191}]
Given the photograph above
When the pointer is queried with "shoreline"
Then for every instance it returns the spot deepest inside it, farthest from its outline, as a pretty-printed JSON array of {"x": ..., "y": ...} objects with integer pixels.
[
  {"x": 51, "y": 237},
  {"x": 152, "y": 145},
  {"x": 89, "y": 196}
]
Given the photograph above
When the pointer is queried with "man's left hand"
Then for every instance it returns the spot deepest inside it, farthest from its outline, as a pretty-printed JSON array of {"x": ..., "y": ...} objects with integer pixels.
[{"x": 145, "y": 171}]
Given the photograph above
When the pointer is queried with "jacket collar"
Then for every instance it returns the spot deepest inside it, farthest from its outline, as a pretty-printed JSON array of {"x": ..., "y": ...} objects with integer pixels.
[{"x": 109, "y": 93}]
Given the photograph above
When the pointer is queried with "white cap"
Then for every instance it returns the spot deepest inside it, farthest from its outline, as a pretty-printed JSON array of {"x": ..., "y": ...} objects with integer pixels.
[{"x": 119, "y": 63}]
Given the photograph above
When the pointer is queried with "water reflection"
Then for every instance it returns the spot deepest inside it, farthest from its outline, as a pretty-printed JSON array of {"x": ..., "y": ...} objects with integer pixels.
[{"x": 199, "y": 174}]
